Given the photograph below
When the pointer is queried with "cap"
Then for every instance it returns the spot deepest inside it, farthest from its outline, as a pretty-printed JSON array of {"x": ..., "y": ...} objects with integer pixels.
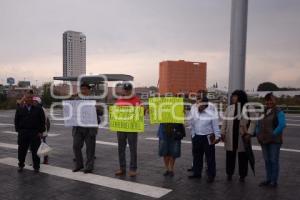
[{"x": 37, "y": 99}]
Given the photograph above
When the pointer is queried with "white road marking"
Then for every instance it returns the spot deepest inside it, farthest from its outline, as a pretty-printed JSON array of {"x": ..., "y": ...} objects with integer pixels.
[
  {"x": 294, "y": 120},
  {"x": 6, "y": 116},
  {"x": 292, "y": 115},
  {"x": 15, "y": 133},
  {"x": 127, "y": 186},
  {"x": 106, "y": 143},
  {"x": 254, "y": 147},
  {"x": 58, "y": 124},
  {"x": 293, "y": 124},
  {"x": 4, "y": 124},
  {"x": 10, "y": 132},
  {"x": 9, "y": 146}
]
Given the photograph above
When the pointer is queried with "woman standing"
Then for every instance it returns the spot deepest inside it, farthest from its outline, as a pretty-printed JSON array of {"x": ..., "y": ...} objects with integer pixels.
[
  {"x": 236, "y": 130},
  {"x": 170, "y": 136},
  {"x": 269, "y": 134}
]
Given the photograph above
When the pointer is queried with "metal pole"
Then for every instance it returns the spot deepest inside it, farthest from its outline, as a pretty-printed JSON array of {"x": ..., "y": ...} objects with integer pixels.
[{"x": 238, "y": 38}]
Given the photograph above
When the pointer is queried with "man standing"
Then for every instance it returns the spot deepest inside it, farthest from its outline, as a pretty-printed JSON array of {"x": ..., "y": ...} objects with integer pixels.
[
  {"x": 85, "y": 135},
  {"x": 127, "y": 99},
  {"x": 269, "y": 134},
  {"x": 205, "y": 134},
  {"x": 30, "y": 124}
]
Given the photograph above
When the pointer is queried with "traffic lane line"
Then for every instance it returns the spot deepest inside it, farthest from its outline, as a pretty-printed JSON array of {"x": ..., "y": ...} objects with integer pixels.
[
  {"x": 254, "y": 147},
  {"x": 15, "y": 133},
  {"x": 9, "y": 146},
  {"x": 5, "y": 124},
  {"x": 126, "y": 186}
]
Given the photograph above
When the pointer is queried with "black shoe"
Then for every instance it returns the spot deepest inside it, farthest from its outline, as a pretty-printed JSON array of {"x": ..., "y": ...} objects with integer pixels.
[
  {"x": 273, "y": 185},
  {"x": 20, "y": 169},
  {"x": 229, "y": 178},
  {"x": 88, "y": 171},
  {"x": 190, "y": 170},
  {"x": 166, "y": 173},
  {"x": 171, "y": 173},
  {"x": 264, "y": 183},
  {"x": 242, "y": 179},
  {"x": 36, "y": 170},
  {"x": 210, "y": 179},
  {"x": 77, "y": 169},
  {"x": 195, "y": 177}
]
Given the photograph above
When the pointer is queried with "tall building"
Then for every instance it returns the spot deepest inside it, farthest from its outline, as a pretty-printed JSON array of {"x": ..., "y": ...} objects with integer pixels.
[
  {"x": 181, "y": 76},
  {"x": 74, "y": 53}
]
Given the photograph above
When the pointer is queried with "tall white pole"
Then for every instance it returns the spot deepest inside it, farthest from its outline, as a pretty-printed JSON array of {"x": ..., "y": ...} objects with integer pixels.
[{"x": 238, "y": 39}]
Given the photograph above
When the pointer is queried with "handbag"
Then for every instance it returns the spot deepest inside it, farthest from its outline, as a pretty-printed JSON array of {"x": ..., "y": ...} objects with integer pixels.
[
  {"x": 179, "y": 132},
  {"x": 44, "y": 149}
]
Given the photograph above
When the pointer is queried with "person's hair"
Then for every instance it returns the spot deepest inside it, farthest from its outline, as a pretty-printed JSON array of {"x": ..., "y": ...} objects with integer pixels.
[
  {"x": 119, "y": 85},
  {"x": 204, "y": 99},
  {"x": 84, "y": 84},
  {"x": 127, "y": 86},
  {"x": 242, "y": 97},
  {"x": 269, "y": 96},
  {"x": 29, "y": 92}
]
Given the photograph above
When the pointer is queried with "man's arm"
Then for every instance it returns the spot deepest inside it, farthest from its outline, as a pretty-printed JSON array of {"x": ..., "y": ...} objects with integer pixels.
[
  {"x": 17, "y": 119},
  {"x": 42, "y": 120},
  {"x": 224, "y": 124},
  {"x": 216, "y": 129}
]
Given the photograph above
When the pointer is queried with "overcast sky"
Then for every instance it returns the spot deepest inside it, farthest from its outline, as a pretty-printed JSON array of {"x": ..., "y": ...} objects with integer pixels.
[{"x": 133, "y": 36}]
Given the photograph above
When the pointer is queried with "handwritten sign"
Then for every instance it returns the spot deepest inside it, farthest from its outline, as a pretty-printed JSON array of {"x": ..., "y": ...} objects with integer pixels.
[
  {"x": 80, "y": 113},
  {"x": 166, "y": 110},
  {"x": 126, "y": 118}
]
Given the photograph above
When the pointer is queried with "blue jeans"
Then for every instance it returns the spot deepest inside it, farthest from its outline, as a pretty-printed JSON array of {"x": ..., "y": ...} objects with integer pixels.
[{"x": 271, "y": 156}]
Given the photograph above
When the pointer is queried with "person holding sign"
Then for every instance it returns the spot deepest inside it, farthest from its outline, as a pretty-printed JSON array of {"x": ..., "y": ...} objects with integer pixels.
[
  {"x": 127, "y": 99},
  {"x": 85, "y": 135},
  {"x": 170, "y": 136},
  {"x": 205, "y": 134}
]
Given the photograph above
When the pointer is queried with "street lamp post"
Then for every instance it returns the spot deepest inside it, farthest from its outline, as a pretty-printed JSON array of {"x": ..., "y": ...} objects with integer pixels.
[{"x": 238, "y": 38}]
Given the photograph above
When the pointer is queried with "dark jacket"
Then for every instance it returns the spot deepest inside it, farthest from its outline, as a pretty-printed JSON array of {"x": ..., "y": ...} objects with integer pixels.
[
  {"x": 31, "y": 121},
  {"x": 270, "y": 128}
]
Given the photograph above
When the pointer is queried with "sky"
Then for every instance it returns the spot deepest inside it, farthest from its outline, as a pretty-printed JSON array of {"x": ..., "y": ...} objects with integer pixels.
[{"x": 133, "y": 36}]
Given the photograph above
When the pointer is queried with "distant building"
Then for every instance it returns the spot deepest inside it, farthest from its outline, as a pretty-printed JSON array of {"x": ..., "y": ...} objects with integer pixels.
[
  {"x": 24, "y": 84},
  {"x": 181, "y": 77},
  {"x": 74, "y": 54}
]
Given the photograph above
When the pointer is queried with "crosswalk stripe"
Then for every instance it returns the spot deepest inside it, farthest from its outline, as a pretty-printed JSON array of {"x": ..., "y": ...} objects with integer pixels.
[
  {"x": 293, "y": 124},
  {"x": 127, "y": 186},
  {"x": 15, "y": 133},
  {"x": 4, "y": 124},
  {"x": 254, "y": 147},
  {"x": 9, "y": 146},
  {"x": 106, "y": 143}
]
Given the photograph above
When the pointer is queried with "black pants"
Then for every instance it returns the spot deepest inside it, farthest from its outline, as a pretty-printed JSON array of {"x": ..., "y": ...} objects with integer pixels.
[
  {"x": 132, "y": 139},
  {"x": 201, "y": 147},
  {"x": 85, "y": 135},
  {"x": 26, "y": 140},
  {"x": 230, "y": 163}
]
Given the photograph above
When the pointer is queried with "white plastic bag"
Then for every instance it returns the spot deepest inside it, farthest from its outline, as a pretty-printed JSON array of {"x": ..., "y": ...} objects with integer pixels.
[{"x": 44, "y": 149}]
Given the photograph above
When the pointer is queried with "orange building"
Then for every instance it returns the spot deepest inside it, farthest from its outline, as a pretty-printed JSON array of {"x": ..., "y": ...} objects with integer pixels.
[{"x": 181, "y": 76}]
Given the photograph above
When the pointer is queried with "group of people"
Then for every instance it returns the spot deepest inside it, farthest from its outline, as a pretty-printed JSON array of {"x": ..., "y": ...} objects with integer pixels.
[
  {"x": 240, "y": 123},
  {"x": 236, "y": 132}
]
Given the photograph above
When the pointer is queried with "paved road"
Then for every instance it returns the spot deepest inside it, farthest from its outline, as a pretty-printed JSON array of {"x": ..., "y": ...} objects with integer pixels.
[{"x": 57, "y": 182}]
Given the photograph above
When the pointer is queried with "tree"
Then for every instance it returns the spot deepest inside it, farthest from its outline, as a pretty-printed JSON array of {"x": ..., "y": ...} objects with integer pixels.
[
  {"x": 47, "y": 98},
  {"x": 267, "y": 86}
]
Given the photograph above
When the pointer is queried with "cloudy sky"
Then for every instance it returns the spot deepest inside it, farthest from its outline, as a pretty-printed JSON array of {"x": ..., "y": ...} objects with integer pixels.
[{"x": 133, "y": 36}]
